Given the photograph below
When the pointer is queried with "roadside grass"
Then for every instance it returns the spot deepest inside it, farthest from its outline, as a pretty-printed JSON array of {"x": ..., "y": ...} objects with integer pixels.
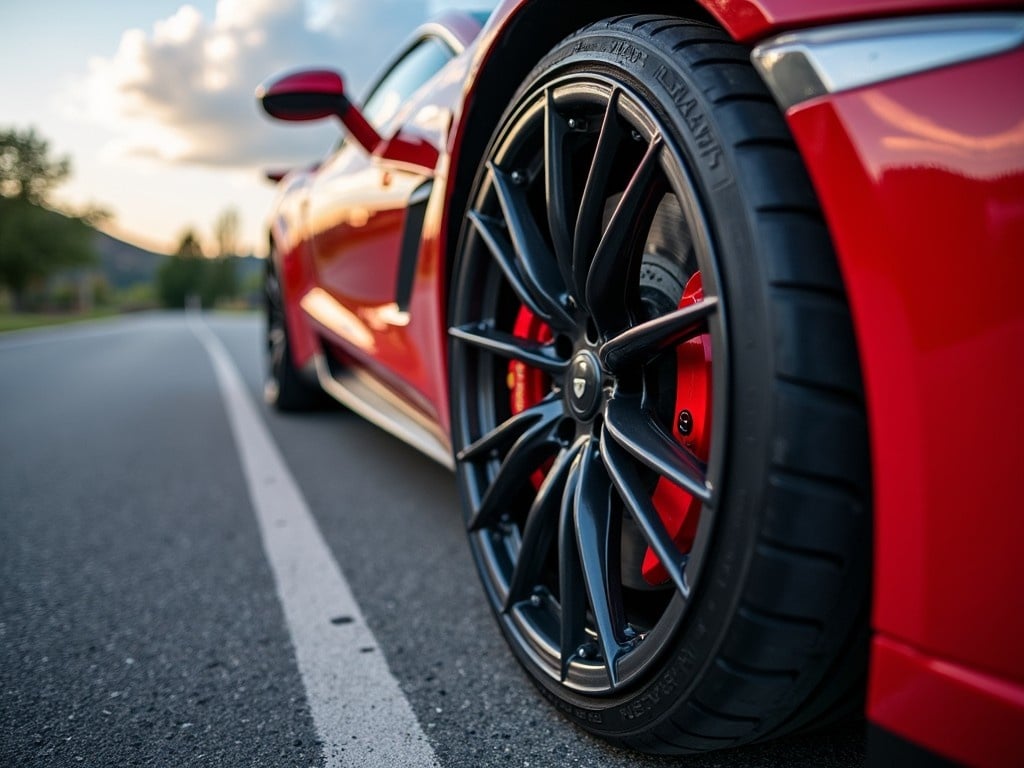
[
  {"x": 18, "y": 321},
  {"x": 236, "y": 307}
]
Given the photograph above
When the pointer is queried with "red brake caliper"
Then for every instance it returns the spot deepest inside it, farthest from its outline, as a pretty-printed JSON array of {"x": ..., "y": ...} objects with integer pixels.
[
  {"x": 527, "y": 386},
  {"x": 691, "y": 426},
  {"x": 678, "y": 510}
]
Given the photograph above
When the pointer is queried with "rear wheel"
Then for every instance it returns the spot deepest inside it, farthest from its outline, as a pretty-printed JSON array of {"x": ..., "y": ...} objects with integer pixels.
[
  {"x": 656, "y": 401},
  {"x": 285, "y": 388}
]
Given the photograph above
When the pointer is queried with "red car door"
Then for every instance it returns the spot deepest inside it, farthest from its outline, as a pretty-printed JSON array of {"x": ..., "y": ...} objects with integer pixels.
[{"x": 357, "y": 212}]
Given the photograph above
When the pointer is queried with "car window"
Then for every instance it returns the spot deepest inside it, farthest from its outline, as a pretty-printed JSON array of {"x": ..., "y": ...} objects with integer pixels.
[{"x": 414, "y": 69}]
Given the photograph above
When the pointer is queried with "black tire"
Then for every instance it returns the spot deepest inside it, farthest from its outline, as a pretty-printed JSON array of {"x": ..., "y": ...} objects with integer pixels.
[
  {"x": 640, "y": 151},
  {"x": 285, "y": 388}
]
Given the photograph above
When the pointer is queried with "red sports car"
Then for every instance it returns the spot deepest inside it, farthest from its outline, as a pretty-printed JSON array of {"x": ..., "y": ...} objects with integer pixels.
[{"x": 715, "y": 310}]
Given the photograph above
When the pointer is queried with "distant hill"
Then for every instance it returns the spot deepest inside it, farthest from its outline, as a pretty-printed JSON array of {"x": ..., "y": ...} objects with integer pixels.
[
  {"x": 122, "y": 273},
  {"x": 124, "y": 264}
]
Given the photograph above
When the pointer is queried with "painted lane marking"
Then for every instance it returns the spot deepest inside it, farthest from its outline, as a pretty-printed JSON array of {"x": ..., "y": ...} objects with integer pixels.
[{"x": 359, "y": 711}]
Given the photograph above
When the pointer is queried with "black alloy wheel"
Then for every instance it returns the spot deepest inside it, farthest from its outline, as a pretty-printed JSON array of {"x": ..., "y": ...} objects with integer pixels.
[
  {"x": 618, "y": 397},
  {"x": 606, "y": 420}
]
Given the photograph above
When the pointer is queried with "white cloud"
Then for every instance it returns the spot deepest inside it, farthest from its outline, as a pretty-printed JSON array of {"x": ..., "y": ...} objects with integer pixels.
[{"x": 182, "y": 92}]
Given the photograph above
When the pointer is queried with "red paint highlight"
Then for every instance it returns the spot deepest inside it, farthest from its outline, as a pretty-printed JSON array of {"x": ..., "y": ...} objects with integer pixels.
[
  {"x": 960, "y": 713},
  {"x": 922, "y": 183}
]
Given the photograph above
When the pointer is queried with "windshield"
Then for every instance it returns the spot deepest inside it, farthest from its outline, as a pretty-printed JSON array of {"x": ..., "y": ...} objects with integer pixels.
[{"x": 421, "y": 63}]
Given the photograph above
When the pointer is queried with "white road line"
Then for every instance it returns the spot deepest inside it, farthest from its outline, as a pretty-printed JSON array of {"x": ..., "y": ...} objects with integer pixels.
[{"x": 359, "y": 711}]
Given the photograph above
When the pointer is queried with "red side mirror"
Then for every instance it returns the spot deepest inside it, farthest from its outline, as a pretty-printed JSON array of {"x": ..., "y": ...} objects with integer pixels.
[
  {"x": 310, "y": 95},
  {"x": 313, "y": 95}
]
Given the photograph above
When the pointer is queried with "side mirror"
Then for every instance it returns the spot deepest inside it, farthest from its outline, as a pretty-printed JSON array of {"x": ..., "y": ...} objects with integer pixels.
[{"x": 313, "y": 95}]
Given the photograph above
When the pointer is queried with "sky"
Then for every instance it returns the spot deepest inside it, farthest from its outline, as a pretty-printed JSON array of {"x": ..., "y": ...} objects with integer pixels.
[{"x": 152, "y": 100}]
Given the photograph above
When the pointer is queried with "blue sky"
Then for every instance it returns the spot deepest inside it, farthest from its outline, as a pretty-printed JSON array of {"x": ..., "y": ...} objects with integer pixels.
[{"x": 152, "y": 99}]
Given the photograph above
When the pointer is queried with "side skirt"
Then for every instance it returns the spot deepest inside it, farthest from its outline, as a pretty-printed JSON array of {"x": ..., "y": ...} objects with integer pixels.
[{"x": 365, "y": 396}]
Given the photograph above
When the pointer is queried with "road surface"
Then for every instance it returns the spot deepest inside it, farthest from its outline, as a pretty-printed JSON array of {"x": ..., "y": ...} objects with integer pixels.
[{"x": 189, "y": 579}]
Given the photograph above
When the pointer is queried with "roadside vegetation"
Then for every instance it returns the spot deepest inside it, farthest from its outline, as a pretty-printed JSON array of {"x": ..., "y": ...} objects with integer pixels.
[
  {"x": 58, "y": 265},
  {"x": 20, "y": 321}
]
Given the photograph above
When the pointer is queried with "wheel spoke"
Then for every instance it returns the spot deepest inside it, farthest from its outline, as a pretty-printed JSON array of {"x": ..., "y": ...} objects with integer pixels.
[
  {"x": 599, "y": 540},
  {"x": 556, "y": 186},
  {"x": 540, "y": 528},
  {"x": 535, "y": 263},
  {"x": 629, "y": 425},
  {"x": 536, "y": 354},
  {"x": 605, "y": 286},
  {"x": 491, "y": 230},
  {"x": 636, "y": 498},
  {"x": 511, "y": 429},
  {"x": 526, "y": 454},
  {"x": 571, "y": 589},
  {"x": 645, "y": 341},
  {"x": 595, "y": 192}
]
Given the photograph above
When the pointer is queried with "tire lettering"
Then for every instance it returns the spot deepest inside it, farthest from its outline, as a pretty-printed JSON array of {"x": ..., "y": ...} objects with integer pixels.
[
  {"x": 626, "y": 53},
  {"x": 569, "y": 709},
  {"x": 689, "y": 107},
  {"x": 666, "y": 686}
]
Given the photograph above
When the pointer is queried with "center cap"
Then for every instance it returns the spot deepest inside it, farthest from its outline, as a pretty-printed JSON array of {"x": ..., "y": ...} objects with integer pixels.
[{"x": 584, "y": 384}]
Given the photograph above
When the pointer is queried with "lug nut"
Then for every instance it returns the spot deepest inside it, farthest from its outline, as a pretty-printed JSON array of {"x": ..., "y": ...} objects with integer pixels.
[{"x": 685, "y": 422}]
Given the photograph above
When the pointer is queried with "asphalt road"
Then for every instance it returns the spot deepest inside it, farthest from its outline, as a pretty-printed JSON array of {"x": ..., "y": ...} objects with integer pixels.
[{"x": 145, "y": 620}]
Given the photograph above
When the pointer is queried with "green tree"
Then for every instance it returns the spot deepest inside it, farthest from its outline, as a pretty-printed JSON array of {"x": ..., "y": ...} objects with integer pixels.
[
  {"x": 188, "y": 273},
  {"x": 220, "y": 280},
  {"x": 35, "y": 241},
  {"x": 26, "y": 170},
  {"x": 181, "y": 275},
  {"x": 226, "y": 231}
]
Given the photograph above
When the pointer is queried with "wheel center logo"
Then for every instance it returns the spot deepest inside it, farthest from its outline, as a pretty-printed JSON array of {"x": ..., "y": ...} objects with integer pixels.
[
  {"x": 579, "y": 382},
  {"x": 583, "y": 385}
]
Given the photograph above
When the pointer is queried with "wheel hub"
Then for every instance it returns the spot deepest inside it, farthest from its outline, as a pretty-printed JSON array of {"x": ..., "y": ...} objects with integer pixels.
[{"x": 584, "y": 384}]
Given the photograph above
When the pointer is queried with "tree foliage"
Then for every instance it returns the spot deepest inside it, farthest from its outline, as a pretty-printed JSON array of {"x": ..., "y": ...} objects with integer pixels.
[
  {"x": 188, "y": 274},
  {"x": 226, "y": 231},
  {"x": 26, "y": 169},
  {"x": 35, "y": 241}
]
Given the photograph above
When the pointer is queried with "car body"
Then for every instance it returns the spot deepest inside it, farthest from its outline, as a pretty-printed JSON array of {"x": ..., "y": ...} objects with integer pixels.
[{"x": 909, "y": 120}]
